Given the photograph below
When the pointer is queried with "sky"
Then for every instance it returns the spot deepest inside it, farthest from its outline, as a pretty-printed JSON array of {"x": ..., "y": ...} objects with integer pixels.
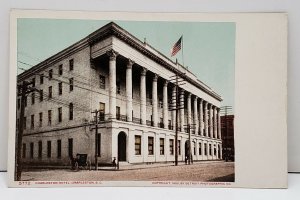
[{"x": 208, "y": 47}]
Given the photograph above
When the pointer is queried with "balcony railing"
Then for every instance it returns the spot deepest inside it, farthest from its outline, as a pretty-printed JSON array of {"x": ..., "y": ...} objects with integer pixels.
[
  {"x": 149, "y": 123},
  {"x": 136, "y": 120},
  {"x": 160, "y": 125}
]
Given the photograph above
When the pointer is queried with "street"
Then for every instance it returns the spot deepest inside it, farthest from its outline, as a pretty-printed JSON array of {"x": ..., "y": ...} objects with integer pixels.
[{"x": 199, "y": 171}]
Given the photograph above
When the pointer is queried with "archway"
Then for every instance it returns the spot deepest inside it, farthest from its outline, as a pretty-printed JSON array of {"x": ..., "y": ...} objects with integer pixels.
[{"x": 122, "y": 146}]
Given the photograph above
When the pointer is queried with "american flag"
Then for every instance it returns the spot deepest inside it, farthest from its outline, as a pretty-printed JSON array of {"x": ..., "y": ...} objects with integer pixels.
[{"x": 176, "y": 47}]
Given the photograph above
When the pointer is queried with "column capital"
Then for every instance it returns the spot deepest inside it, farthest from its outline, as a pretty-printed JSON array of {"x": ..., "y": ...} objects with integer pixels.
[
  {"x": 166, "y": 83},
  {"x": 112, "y": 54},
  {"x": 144, "y": 71},
  {"x": 189, "y": 95},
  {"x": 155, "y": 77},
  {"x": 130, "y": 63},
  {"x": 196, "y": 98}
]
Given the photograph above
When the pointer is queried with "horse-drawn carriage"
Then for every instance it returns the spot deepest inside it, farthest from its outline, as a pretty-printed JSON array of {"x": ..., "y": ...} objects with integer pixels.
[{"x": 80, "y": 162}]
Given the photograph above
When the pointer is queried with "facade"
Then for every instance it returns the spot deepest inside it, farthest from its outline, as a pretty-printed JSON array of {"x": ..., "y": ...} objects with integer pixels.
[
  {"x": 131, "y": 85},
  {"x": 227, "y": 130}
]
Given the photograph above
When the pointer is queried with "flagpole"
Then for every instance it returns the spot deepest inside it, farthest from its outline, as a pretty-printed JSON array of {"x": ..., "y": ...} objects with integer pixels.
[{"x": 182, "y": 53}]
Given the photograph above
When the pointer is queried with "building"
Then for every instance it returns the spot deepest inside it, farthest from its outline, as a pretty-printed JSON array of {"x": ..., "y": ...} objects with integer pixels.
[
  {"x": 130, "y": 83},
  {"x": 227, "y": 130}
]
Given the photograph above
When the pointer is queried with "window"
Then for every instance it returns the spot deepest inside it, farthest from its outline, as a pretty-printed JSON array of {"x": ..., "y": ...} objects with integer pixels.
[
  {"x": 137, "y": 145},
  {"x": 160, "y": 103},
  {"x": 41, "y": 95},
  {"x": 50, "y": 92},
  {"x": 102, "y": 111},
  {"x": 194, "y": 148},
  {"x": 19, "y": 104},
  {"x": 102, "y": 81},
  {"x": 205, "y": 149},
  {"x": 118, "y": 112},
  {"x": 42, "y": 79},
  {"x": 179, "y": 147},
  {"x": 32, "y": 122},
  {"x": 171, "y": 141},
  {"x": 31, "y": 150},
  {"x": 32, "y": 98},
  {"x": 60, "y": 70},
  {"x": 50, "y": 74},
  {"x": 33, "y": 82},
  {"x": 210, "y": 152},
  {"x": 59, "y": 114},
  {"x": 98, "y": 144},
  {"x": 60, "y": 88},
  {"x": 58, "y": 148},
  {"x": 24, "y": 150},
  {"x": 25, "y": 101},
  {"x": 71, "y": 83},
  {"x": 49, "y": 117},
  {"x": 118, "y": 87},
  {"x": 215, "y": 150},
  {"x": 170, "y": 124},
  {"x": 150, "y": 145},
  {"x": 71, "y": 111},
  {"x": 71, "y": 64},
  {"x": 200, "y": 148},
  {"x": 70, "y": 147},
  {"x": 40, "y": 150},
  {"x": 40, "y": 119},
  {"x": 49, "y": 149},
  {"x": 25, "y": 123},
  {"x": 162, "y": 146}
]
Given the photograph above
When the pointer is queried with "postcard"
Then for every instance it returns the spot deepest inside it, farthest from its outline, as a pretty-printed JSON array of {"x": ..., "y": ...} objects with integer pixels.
[{"x": 148, "y": 99}]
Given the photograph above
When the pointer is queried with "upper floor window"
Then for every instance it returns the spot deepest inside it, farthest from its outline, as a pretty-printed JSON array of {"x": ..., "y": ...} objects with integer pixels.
[
  {"x": 60, "y": 114},
  {"x": 32, "y": 122},
  {"x": 49, "y": 117},
  {"x": 60, "y": 88},
  {"x": 71, "y": 111},
  {"x": 60, "y": 69},
  {"x": 71, "y": 64},
  {"x": 50, "y": 74},
  {"x": 102, "y": 81},
  {"x": 33, "y": 82},
  {"x": 32, "y": 98},
  {"x": 50, "y": 92},
  {"x": 42, "y": 79},
  {"x": 118, "y": 87},
  {"x": 41, "y": 95},
  {"x": 71, "y": 84}
]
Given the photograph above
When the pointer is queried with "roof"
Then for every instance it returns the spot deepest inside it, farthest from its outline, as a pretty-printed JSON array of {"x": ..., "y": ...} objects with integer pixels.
[{"x": 112, "y": 29}]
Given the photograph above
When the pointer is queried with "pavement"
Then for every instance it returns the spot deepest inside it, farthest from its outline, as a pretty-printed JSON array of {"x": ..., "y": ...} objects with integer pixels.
[{"x": 215, "y": 171}]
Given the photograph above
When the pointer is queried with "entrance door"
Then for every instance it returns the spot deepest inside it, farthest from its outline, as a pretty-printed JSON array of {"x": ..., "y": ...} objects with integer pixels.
[{"x": 122, "y": 146}]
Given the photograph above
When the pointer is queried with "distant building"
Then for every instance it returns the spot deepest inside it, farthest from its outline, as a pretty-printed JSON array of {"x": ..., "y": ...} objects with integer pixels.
[
  {"x": 128, "y": 81},
  {"x": 227, "y": 130}
]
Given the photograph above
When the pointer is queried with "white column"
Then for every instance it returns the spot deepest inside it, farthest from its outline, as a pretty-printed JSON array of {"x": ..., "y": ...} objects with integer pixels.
[
  {"x": 129, "y": 90},
  {"x": 196, "y": 122},
  {"x": 211, "y": 120},
  {"x": 154, "y": 100},
  {"x": 217, "y": 150},
  {"x": 189, "y": 111},
  {"x": 201, "y": 117},
  {"x": 215, "y": 122},
  {"x": 143, "y": 96},
  {"x": 112, "y": 83},
  {"x": 181, "y": 102},
  {"x": 205, "y": 119},
  {"x": 165, "y": 104},
  {"x": 174, "y": 101},
  {"x": 219, "y": 125},
  {"x": 221, "y": 156}
]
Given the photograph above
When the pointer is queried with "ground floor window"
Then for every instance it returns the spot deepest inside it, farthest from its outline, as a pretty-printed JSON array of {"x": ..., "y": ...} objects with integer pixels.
[
  {"x": 31, "y": 149},
  {"x": 209, "y": 146},
  {"x": 49, "y": 149},
  {"x": 215, "y": 150},
  {"x": 24, "y": 150},
  {"x": 162, "y": 146},
  {"x": 58, "y": 148},
  {"x": 194, "y": 147},
  {"x": 205, "y": 149},
  {"x": 179, "y": 147},
  {"x": 171, "y": 141},
  {"x": 200, "y": 150},
  {"x": 40, "y": 149},
  {"x": 70, "y": 147},
  {"x": 138, "y": 145},
  {"x": 150, "y": 146}
]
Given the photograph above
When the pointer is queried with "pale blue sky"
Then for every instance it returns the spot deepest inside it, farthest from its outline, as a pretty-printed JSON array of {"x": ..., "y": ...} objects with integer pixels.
[{"x": 209, "y": 48}]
